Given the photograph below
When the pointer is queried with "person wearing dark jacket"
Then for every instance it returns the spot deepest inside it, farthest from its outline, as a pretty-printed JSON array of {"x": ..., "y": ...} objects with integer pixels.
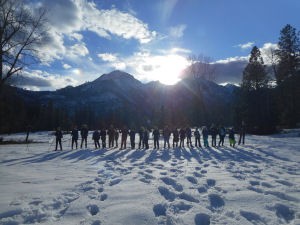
[
  {"x": 205, "y": 136},
  {"x": 146, "y": 138},
  {"x": 166, "y": 135},
  {"x": 182, "y": 137},
  {"x": 116, "y": 136},
  {"x": 188, "y": 132},
  {"x": 213, "y": 132},
  {"x": 84, "y": 134},
  {"x": 58, "y": 136},
  {"x": 141, "y": 136},
  {"x": 96, "y": 137},
  {"x": 124, "y": 135},
  {"x": 222, "y": 134},
  {"x": 156, "y": 138},
  {"x": 231, "y": 137},
  {"x": 103, "y": 137},
  {"x": 111, "y": 135},
  {"x": 197, "y": 138},
  {"x": 242, "y": 133},
  {"x": 132, "y": 138},
  {"x": 175, "y": 138},
  {"x": 74, "y": 135}
]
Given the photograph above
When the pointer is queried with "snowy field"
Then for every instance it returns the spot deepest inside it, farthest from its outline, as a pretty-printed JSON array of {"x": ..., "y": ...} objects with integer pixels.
[{"x": 258, "y": 183}]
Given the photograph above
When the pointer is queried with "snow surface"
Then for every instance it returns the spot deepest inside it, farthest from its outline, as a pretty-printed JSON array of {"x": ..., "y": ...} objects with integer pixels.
[{"x": 258, "y": 183}]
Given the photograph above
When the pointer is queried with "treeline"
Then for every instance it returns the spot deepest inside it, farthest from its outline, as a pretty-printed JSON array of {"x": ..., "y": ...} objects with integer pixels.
[{"x": 267, "y": 102}]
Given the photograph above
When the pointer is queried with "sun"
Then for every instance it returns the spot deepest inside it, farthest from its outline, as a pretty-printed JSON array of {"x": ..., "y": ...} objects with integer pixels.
[{"x": 169, "y": 67}]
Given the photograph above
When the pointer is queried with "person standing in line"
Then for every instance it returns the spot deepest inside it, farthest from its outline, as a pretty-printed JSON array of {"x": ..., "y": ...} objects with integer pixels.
[
  {"x": 175, "y": 138},
  {"x": 116, "y": 136},
  {"x": 124, "y": 133},
  {"x": 205, "y": 136},
  {"x": 213, "y": 132},
  {"x": 197, "y": 138},
  {"x": 146, "y": 138},
  {"x": 84, "y": 134},
  {"x": 74, "y": 135},
  {"x": 141, "y": 136},
  {"x": 222, "y": 134},
  {"x": 132, "y": 138},
  {"x": 156, "y": 138},
  {"x": 166, "y": 135},
  {"x": 188, "y": 132},
  {"x": 242, "y": 133},
  {"x": 103, "y": 137},
  {"x": 182, "y": 137},
  {"x": 58, "y": 136},
  {"x": 96, "y": 137},
  {"x": 111, "y": 135},
  {"x": 231, "y": 138}
]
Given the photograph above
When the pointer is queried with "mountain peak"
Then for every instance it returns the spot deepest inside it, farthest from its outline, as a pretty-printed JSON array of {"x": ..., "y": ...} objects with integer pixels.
[{"x": 116, "y": 74}]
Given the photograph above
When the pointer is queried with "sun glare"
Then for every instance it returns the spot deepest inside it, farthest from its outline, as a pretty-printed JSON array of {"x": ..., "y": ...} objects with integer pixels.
[{"x": 169, "y": 69}]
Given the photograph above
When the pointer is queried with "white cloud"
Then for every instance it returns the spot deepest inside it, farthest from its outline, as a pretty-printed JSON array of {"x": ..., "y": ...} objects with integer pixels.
[
  {"x": 38, "y": 80},
  {"x": 233, "y": 59},
  {"x": 115, "y": 22},
  {"x": 246, "y": 45},
  {"x": 177, "y": 31},
  {"x": 68, "y": 18},
  {"x": 66, "y": 66},
  {"x": 107, "y": 57},
  {"x": 76, "y": 50},
  {"x": 76, "y": 36},
  {"x": 267, "y": 52}
]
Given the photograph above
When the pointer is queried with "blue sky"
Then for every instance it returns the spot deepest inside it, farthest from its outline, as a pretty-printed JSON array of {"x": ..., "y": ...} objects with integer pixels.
[{"x": 151, "y": 39}]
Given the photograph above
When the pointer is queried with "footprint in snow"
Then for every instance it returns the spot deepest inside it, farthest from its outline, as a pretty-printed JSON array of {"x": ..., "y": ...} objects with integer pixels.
[
  {"x": 196, "y": 174},
  {"x": 93, "y": 209},
  {"x": 103, "y": 197},
  {"x": 202, "y": 219},
  {"x": 252, "y": 217},
  {"x": 180, "y": 207},
  {"x": 202, "y": 189},
  {"x": 216, "y": 202},
  {"x": 100, "y": 189},
  {"x": 192, "y": 180},
  {"x": 159, "y": 210},
  {"x": 284, "y": 182},
  {"x": 115, "y": 181},
  {"x": 284, "y": 212},
  {"x": 254, "y": 182},
  {"x": 172, "y": 182},
  {"x": 211, "y": 182},
  {"x": 166, "y": 193},
  {"x": 267, "y": 185},
  {"x": 188, "y": 197}
]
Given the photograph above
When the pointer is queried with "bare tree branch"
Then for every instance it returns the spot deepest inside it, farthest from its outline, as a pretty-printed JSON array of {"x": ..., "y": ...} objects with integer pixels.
[{"x": 21, "y": 30}]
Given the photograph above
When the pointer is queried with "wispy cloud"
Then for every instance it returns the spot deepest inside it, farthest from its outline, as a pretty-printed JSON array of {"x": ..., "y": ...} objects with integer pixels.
[
  {"x": 246, "y": 45},
  {"x": 177, "y": 31},
  {"x": 107, "y": 57}
]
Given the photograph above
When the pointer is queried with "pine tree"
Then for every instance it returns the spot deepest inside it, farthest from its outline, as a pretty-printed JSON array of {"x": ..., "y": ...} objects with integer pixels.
[
  {"x": 255, "y": 75},
  {"x": 288, "y": 53}
]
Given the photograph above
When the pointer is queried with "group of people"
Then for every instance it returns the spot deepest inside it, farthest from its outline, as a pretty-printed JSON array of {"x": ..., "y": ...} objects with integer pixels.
[{"x": 179, "y": 137}]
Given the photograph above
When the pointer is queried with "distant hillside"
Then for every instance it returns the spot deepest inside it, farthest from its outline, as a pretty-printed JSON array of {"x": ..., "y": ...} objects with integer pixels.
[{"x": 119, "y": 98}]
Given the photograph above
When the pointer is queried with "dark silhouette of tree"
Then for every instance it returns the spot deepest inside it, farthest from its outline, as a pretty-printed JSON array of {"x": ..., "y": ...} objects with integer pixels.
[
  {"x": 288, "y": 53},
  {"x": 255, "y": 75},
  {"x": 20, "y": 33}
]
